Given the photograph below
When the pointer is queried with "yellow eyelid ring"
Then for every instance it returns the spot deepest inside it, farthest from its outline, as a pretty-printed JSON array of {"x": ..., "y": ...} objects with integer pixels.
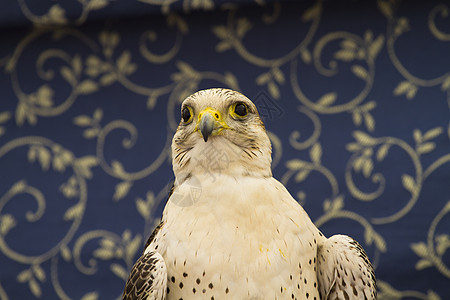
[
  {"x": 187, "y": 116},
  {"x": 233, "y": 113}
]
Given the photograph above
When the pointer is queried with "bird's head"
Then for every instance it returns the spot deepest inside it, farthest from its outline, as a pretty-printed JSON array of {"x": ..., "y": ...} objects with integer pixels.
[{"x": 220, "y": 132}]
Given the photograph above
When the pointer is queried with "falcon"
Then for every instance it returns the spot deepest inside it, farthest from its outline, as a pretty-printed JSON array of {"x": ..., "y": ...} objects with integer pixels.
[{"x": 230, "y": 230}]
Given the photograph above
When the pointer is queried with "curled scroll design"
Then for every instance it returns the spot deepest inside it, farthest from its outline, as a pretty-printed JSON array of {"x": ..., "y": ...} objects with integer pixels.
[
  {"x": 367, "y": 150},
  {"x": 355, "y": 50},
  {"x": 111, "y": 248},
  {"x": 431, "y": 254},
  {"x": 398, "y": 26},
  {"x": 46, "y": 153}
]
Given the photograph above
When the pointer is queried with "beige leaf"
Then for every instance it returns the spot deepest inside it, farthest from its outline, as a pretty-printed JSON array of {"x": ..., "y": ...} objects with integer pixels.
[
  {"x": 223, "y": 46},
  {"x": 263, "y": 78},
  {"x": 432, "y": 133},
  {"x": 133, "y": 246},
  {"x": 65, "y": 253},
  {"x": 364, "y": 138},
  {"x": 74, "y": 212},
  {"x": 5, "y": 116},
  {"x": 82, "y": 121},
  {"x": 327, "y": 99},
  {"x": 295, "y": 164},
  {"x": 123, "y": 61},
  {"x": 35, "y": 288},
  {"x": 68, "y": 75},
  {"x": 90, "y": 296},
  {"x": 23, "y": 276},
  {"x": 423, "y": 263},
  {"x": 345, "y": 55},
  {"x": 420, "y": 249},
  {"x": 7, "y": 222},
  {"x": 143, "y": 208},
  {"x": 312, "y": 12},
  {"x": 119, "y": 271},
  {"x": 104, "y": 254},
  {"x": 108, "y": 78},
  {"x": 221, "y": 32},
  {"x": 306, "y": 55},
  {"x": 360, "y": 71},
  {"x": 121, "y": 190},
  {"x": 87, "y": 86},
  {"x": 425, "y": 148},
  {"x": 383, "y": 151},
  {"x": 409, "y": 184},
  {"x": 273, "y": 90},
  {"x": 85, "y": 164},
  {"x": 95, "y": 5},
  {"x": 316, "y": 153},
  {"x": 38, "y": 272},
  {"x": 301, "y": 175}
]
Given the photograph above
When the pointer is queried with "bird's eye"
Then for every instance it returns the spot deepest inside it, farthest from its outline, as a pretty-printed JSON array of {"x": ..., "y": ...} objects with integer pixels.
[
  {"x": 186, "y": 114},
  {"x": 240, "y": 109}
]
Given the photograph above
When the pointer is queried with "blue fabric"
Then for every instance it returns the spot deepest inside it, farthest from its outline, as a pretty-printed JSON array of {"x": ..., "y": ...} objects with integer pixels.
[{"x": 355, "y": 96}]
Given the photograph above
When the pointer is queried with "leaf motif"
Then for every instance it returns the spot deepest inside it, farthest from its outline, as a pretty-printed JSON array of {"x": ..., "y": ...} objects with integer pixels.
[
  {"x": 367, "y": 168},
  {"x": 387, "y": 291},
  {"x": 123, "y": 60},
  {"x": 345, "y": 55},
  {"x": 356, "y": 117},
  {"x": 221, "y": 32},
  {"x": 316, "y": 153},
  {"x": 369, "y": 121},
  {"x": 364, "y": 139},
  {"x": 68, "y": 75},
  {"x": 420, "y": 249},
  {"x": 423, "y": 263},
  {"x": 375, "y": 47},
  {"x": 96, "y": 5},
  {"x": 104, "y": 254},
  {"x": 20, "y": 114},
  {"x": 119, "y": 271},
  {"x": 91, "y": 133},
  {"x": 121, "y": 190},
  {"x": 223, "y": 46},
  {"x": 273, "y": 89},
  {"x": 35, "y": 288},
  {"x": 306, "y": 55},
  {"x": 90, "y": 296},
  {"x": 383, "y": 151},
  {"x": 7, "y": 222},
  {"x": 337, "y": 203},
  {"x": 18, "y": 187},
  {"x": 445, "y": 84},
  {"x": 295, "y": 164},
  {"x": 44, "y": 96},
  {"x": 278, "y": 75},
  {"x": 263, "y": 78},
  {"x": 301, "y": 175},
  {"x": 409, "y": 184},
  {"x": 360, "y": 72},
  {"x": 242, "y": 26},
  {"x": 432, "y": 133},
  {"x": 353, "y": 147},
  {"x": 142, "y": 208},
  {"x": 44, "y": 157},
  {"x": 327, "y": 99},
  {"x": 385, "y": 8},
  {"x": 24, "y": 276},
  {"x": 74, "y": 212},
  {"x": 118, "y": 168},
  {"x": 442, "y": 244},
  {"x": 65, "y": 253},
  {"x": 108, "y": 78},
  {"x": 82, "y": 121},
  {"x": 133, "y": 246},
  {"x": 84, "y": 165},
  {"x": 5, "y": 116},
  {"x": 312, "y": 13},
  {"x": 38, "y": 272},
  {"x": 425, "y": 148},
  {"x": 87, "y": 86}
]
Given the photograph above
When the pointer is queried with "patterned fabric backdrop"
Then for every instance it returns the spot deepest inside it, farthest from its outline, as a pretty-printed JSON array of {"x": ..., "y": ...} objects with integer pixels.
[{"x": 355, "y": 96}]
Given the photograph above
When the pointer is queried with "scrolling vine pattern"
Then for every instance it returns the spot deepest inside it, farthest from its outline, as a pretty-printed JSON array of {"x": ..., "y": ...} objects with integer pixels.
[{"x": 108, "y": 60}]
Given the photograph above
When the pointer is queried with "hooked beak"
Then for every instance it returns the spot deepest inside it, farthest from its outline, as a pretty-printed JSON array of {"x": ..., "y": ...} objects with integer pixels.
[{"x": 210, "y": 123}]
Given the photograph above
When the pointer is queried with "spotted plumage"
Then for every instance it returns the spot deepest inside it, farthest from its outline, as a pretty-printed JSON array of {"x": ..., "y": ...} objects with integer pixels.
[{"x": 230, "y": 230}]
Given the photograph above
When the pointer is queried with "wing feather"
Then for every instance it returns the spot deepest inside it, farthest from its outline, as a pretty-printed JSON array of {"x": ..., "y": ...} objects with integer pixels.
[
  {"x": 344, "y": 270},
  {"x": 148, "y": 279}
]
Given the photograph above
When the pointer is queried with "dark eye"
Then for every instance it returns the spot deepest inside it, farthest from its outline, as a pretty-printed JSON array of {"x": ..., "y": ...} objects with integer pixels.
[
  {"x": 186, "y": 114},
  {"x": 241, "y": 109}
]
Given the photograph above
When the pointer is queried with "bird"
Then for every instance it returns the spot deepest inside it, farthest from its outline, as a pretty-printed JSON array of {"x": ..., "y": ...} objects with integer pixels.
[{"x": 230, "y": 230}]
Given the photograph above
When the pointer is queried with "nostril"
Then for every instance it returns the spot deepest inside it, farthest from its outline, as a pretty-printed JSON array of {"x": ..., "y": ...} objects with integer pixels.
[{"x": 217, "y": 116}]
